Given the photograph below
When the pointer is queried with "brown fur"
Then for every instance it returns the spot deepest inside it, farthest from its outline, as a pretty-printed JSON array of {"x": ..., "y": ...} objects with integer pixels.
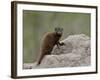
[{"x": 48, "y": 42}]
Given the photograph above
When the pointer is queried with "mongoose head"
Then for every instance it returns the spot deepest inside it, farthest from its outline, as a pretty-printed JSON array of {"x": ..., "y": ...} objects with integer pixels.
[{"x": 59, "y": 30}]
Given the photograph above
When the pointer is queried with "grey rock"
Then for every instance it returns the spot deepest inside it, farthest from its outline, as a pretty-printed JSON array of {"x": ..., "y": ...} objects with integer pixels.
[{"x": 75, "y": 52}]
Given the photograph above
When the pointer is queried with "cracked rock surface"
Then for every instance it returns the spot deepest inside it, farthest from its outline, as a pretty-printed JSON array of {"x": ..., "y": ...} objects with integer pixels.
[{"x": 75, "y": 52}]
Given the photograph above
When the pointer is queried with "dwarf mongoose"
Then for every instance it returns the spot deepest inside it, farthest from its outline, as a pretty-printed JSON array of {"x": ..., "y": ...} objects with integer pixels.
[{"x": 49, "y": 41}]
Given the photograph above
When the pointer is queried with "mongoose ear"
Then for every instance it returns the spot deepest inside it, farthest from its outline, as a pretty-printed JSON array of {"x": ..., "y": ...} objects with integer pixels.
[{"x": 57, "y": 29}]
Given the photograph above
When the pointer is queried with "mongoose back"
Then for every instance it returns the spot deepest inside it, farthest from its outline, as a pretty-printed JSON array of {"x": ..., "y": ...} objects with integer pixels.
[{"x": 48, "y": 42}]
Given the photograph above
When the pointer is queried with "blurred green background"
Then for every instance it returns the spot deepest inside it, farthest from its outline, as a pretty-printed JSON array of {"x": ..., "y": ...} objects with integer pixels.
[{"x": 37, "y": 23}]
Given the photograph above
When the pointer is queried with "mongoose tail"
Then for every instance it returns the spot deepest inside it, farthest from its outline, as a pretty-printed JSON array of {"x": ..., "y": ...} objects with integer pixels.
[{"x": 40, "y": 59}]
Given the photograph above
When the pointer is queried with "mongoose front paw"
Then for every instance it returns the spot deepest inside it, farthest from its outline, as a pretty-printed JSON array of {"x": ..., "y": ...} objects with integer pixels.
[{"x": 62, "y": 44}]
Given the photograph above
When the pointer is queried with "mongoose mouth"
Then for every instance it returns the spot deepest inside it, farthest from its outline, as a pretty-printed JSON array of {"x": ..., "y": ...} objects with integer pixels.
[{"x": 59, "y": 33}]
